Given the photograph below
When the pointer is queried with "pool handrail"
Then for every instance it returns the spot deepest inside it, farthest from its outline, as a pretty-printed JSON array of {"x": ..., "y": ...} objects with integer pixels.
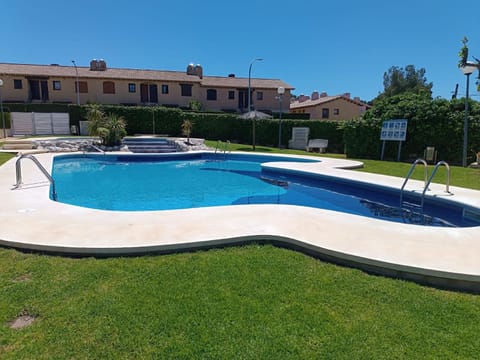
[
  {"x": 412, "y": 168},
  {"x": 447, "y": 184},
  {"x": 18, "y": 173}
]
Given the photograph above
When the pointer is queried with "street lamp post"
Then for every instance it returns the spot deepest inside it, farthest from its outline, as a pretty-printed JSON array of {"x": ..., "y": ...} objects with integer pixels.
[
  {"x": 280, "y": 92},
  {"x": 250, "y": 99},
  {"x": 467, "y": 70},
  {"x": 77, "y": 84},
  {"x": 1, "y": 110}
]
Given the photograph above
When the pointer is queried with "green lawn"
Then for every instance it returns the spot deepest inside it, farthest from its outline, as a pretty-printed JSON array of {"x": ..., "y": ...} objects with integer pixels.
[{"x": 247, "y": 302}]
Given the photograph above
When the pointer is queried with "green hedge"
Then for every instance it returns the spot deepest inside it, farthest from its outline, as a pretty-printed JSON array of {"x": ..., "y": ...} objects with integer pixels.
[
  {"x": 221, "y": 126},
  {"x": 437, "y": 122}
]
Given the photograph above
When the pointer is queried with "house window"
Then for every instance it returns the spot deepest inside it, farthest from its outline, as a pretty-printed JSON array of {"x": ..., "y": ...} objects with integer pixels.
[
  {"x": 325, "y": 113},
  {"x": 231, "y": 95},
  {"x": 259, "y": 95},
  {"x": 211, "y": 94},
  {"x": 164, "y": 89},
  {"x": 108, "y": 87},
  {"x": 336, "y": 111},
  {"x": 57, "y": 85},
  {"x": 17, "y": 84},
  {"x": 82, "y": 87},
  {"x": 132, "y": 87},
  {"x": 186, "y": 89}
]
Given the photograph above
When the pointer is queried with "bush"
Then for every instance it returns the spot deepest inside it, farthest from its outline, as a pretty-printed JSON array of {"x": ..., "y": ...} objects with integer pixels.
[{"x": 437, "y": 123}]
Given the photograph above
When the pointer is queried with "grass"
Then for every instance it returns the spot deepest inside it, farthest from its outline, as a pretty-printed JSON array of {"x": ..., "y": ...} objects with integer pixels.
[
  {"x": 247, "y": 302},
  {"x": 5, "y": 156},
  {"x": 251, "y": 302}
]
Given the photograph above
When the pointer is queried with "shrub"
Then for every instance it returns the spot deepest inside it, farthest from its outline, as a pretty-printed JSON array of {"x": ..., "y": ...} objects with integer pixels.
[{"x": 110, "y": 128}]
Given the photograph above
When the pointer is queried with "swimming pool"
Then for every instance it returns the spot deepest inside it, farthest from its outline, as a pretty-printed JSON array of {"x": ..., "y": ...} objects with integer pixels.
[
  {"x": 440, "y": 256},
  {"x": 143, "y": 183}
]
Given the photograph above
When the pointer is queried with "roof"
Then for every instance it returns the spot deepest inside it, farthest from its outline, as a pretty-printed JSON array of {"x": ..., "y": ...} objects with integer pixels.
[
  {"x": 137, "y": 74},
  {"x": 323, "y": 100}
]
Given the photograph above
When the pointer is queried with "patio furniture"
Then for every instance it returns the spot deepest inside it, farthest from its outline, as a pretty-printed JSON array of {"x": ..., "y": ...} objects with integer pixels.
[
  {"x": 299, "y": 138},
  {"x": 319, "y": 145}
]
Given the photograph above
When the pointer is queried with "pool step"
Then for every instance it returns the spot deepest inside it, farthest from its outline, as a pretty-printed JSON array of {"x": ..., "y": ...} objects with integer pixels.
[
  {"x": 17, "y": 145},
  {"x": 150, "y": 145},
  {"x": 412, "y": 206}
]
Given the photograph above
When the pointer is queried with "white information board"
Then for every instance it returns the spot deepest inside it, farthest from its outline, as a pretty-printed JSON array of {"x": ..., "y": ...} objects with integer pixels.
[{"x": 394, "y": 130}]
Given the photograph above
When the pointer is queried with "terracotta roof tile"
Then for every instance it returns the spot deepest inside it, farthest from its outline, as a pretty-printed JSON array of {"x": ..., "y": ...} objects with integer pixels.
[
  {"x": 322, "y": 100},
  {"x": 137, "y": 74}
]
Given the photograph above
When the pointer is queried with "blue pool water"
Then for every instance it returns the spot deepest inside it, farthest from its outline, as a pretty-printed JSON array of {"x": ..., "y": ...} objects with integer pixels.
[{"x": 141, "y": 183}]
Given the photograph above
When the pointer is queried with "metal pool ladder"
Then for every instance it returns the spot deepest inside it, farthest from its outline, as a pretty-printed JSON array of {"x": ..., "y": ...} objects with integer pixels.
[
  {"x": 427, "y": 181},
  {"x": 226, "y": 147},
  {"x": 18, "y": 170}
]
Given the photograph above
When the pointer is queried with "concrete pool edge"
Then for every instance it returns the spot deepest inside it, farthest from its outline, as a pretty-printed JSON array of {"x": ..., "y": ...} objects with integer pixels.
[{"x": 36, "y": 223}]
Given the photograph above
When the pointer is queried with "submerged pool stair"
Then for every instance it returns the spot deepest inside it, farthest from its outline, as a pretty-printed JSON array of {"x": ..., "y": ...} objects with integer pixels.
[{"x": 150, "y": 145}]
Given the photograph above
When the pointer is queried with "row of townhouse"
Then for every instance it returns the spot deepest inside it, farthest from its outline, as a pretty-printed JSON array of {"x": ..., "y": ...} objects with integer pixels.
[{"x": 100, "y": 84}]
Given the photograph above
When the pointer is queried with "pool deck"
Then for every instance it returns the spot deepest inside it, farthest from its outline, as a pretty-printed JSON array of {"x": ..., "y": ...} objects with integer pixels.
[{"x": 445, "y": 257}]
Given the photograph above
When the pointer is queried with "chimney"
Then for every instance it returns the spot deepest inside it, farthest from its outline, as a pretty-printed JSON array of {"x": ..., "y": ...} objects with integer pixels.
[
  {"x": 303, "y": 98},
  {"x": 98, "y": 65},
  {"x": 315, "y": 95},
  {"x": 199, "y": 71},
  {"x": 93, "y": 65},
  {"x": 191, "y": 69},
  {"x": 101, "y": 65},
  {"x": 195, "y": 70},
  {"x": 323, "y": 94},
  {"x": 347, "y": 95}
]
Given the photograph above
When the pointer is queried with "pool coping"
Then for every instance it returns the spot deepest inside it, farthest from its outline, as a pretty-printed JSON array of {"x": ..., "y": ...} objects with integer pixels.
[{"x": 445, "y": 257}]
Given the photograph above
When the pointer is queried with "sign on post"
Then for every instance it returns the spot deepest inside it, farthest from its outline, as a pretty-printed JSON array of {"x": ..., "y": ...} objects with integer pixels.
[{"x": 394, "y": 130}]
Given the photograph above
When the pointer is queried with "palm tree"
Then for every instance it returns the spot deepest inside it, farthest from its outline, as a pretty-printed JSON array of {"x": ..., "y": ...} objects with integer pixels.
[
  {"x": 116, "y": 129},
  {"x": 95, "y": 117},
  {"x": 110, "y": 128},
  {"x": 187, "y": 126}
]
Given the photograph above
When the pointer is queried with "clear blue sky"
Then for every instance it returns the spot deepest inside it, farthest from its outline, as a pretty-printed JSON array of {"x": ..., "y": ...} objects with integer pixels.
[{"x": 332, "y": 46}]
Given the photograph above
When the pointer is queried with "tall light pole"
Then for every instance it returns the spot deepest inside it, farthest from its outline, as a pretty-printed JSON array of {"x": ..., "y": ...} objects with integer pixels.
[
  {"x": 77, "y": 84},
  {"x": 467, "y": 70},
  {"x": 250, "y": 99},
  {"x": 280, "y": 92},
  {"x": 1, "y": 110}
]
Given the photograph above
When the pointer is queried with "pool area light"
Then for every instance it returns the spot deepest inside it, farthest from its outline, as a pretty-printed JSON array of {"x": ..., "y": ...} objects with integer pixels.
[
  {"x": 467, "y": 70},
  {"x": 77, "y": 84},
  {"x": 250, "y": 98},
  {"x": 280, "y": 92},
  {"x": 1, "y": 110}
]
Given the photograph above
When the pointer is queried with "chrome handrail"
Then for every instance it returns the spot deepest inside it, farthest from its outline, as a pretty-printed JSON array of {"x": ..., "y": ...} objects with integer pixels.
[
  {"x": 18, "y": 171},
  {"x": 412, "y": 168},
  {"x": 447, "y": 184},
  {"x": 217, "y": 146},
  {"x": 98, "y": 149}
]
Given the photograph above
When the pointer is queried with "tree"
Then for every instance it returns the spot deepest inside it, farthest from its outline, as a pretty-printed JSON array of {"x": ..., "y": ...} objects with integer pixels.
[{"x": 398, "y": 80}]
